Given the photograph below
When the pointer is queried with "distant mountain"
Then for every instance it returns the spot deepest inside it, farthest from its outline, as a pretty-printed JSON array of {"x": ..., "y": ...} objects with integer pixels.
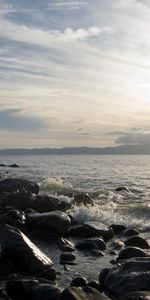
[{"x": 122, "y": 149}]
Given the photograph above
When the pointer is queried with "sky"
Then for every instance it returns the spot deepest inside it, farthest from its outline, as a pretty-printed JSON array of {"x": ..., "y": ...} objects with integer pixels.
[{"x": 74, "y": 73}]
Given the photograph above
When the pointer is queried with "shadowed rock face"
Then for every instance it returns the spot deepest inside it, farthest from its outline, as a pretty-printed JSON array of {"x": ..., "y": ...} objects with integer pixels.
[
  {"x": 11, "y": 185},
  {"x": 22, "y": 253},
  {"x": 131, "y": 276},
  {"x": 88, "y": 230}
]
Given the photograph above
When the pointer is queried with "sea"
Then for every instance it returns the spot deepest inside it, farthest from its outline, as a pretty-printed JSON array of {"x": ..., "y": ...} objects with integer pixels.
[{"x": 98, "y": 175}]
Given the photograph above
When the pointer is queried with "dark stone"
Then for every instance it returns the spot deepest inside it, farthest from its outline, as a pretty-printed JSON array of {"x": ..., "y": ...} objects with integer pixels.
[
  {"x": 79, "y": 281},
  {"x": 65, "y": 245},
  {"x": 88, "y": 230},
  {"x": 82, "y": 199},
  {"x": 130, "y": 232},
  {"x": 91, "y": 244},
  {"x": 122, "y": 188},
  {"x": 95, "y": 285},
  {"x": 3, "y": 165},
  {"x": 137, "y": 296},
  {"x": 14, "y": 166},
  {"x": 130, "y": 276},
  {"x": 58, "y": 221},
  {"x": 46, "y": 292},
  {"x": 137, "y": 241},
  {"x": 23, "y": 254},
  {"x": 21, "y": 289},
  {"x": 67, "y": 257},
  {"x": 76, "y": 293},
  {"x": 18, "y": 185},
  {"x": 118, "y": 228},
  {"x": 130, "y": 252},
  {"x": 14, "y": 218},
  {"x": 117, "y": 244}
]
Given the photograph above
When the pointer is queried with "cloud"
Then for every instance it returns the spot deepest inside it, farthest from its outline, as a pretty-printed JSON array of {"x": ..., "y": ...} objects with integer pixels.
[
  {"x": 15, "y": 120},
  {"x": 142, "y": 138}
]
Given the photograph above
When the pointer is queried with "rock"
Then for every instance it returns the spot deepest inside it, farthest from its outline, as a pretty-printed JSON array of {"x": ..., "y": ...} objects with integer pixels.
[
  {"x": 122, "y": 188},
  {"x": 67, "y": 257},
  {"x": 3, "y": 165},
  {"x": 88, "y": 230},
  {"x": 118, "y": 228},
  {"x": 91, "y": 244},
  {"x": 58, "y": 221},
  {"x": 117, "y": 244},
  {"x": 18, "y": 185},
  {"x": 79, "y": 281},
  {"x": 130, "y": 232},
  {"x": 130, "y": 252},
  {"x": 97, "y": 253},
  {"x": 14, "y": 218},
  {"x": 76, "y": 293},
  {"x": 21, "y": 289},
  {"x": 23, "y": 254},
  {"x": 84, "y": 199},
  {"x": 14, "y": 166},
  {"x": 95, "y": 285},
  {"x": 65, "y": 245},
  {"x": 46, "y": 292},
  {"x": 137, "y": 241},
  {"x": 131, "y": 276},
  {"x": 137, "y": 296}
]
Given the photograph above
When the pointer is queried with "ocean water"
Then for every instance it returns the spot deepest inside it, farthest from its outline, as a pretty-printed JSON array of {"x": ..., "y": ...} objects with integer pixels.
[
  {"x": 99, "y": 175},
  {"x": 65, "y": 176}
]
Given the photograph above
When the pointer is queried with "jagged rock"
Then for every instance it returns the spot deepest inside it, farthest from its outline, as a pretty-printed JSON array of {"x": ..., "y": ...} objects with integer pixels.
[
  {"x": 89, "y": 230},
  {"x": 58, "y": 221},
  {"x": 91, "y": 244},
  {"x": 122, "y": 188},
  {"x": 130, "y": 252},
  {"x": 23, "y": 254},
  {"x": 130, "y": 276},
  {"x": 137, "y": 241},
  {"x": 82, "y": 199},
  {"x": 18, "y": 185}
]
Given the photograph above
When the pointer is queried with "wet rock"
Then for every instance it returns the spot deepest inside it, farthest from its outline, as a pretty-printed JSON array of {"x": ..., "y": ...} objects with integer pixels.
[
  {"x": 137, "y": 296},
  {"x": 94, "y": 284},
  {"x": 22, "y": 253},
  {"x": 3, "y": 165},
  {"x": 46, "y": 292},
  {"x": 76, "y": 293},
  {"x": 45, "y": 203},
  {"x": 88, "y": 230},
  {"x": 79, "y": 281},
  {"x": 67, "y": 257},
  {"x": 13, "y": 166},
  {"x": 84, "y": 199},
  {"x": 18, "y": 185},
  {"x": 131, "y": 276},
  {"x": 122, "y": 188},
  {"x": 130, "y": 232},
  {"x": 130, "y": 252},
  {"x": 117, "y": 244},
  {"x": 14, "y": 218},
  {"x": 65, "y": 245},
  {"x": 137, "y": 241},
  {"x": 91, "y": 244},
  {"x": 58, "y": 221},
  {"x": 118, "y": 228},
  {"x": 21, "y": 289},
  {"x": 97, "y": 253}
]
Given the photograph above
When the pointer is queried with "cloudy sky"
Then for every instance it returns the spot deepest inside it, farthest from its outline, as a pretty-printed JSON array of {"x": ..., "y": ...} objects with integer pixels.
[{"x": 74, "y": 73}]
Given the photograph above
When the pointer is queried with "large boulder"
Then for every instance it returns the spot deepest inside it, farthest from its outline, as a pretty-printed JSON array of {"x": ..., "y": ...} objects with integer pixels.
[
  {"x": 137, "y": 241},
  {"x": 58, "y": 221},
  {"x": 129, "y": 276},
  {"x": 130, "y": 252},
  {"x": 18, "y": 185},
  {"x": 22, "y": 253}
]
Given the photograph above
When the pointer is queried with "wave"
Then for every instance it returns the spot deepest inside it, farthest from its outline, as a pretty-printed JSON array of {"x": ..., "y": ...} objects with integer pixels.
[{"x": 54, "y": 183}]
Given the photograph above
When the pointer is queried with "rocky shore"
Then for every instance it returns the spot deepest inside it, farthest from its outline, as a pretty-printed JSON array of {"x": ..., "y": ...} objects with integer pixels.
[{"x": 26, "y": 272}]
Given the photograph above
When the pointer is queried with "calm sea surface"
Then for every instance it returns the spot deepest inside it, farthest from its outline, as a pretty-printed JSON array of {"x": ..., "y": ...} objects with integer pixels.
[{"x": 98, "y": 175}]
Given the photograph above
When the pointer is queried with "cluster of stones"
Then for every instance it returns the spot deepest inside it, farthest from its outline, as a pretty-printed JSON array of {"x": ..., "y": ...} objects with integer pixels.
[{"x": 27, "y": 273}]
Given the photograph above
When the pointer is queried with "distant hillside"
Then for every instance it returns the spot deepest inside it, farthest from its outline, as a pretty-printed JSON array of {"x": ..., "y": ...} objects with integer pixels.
[{"x": 122, "y": 149}]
